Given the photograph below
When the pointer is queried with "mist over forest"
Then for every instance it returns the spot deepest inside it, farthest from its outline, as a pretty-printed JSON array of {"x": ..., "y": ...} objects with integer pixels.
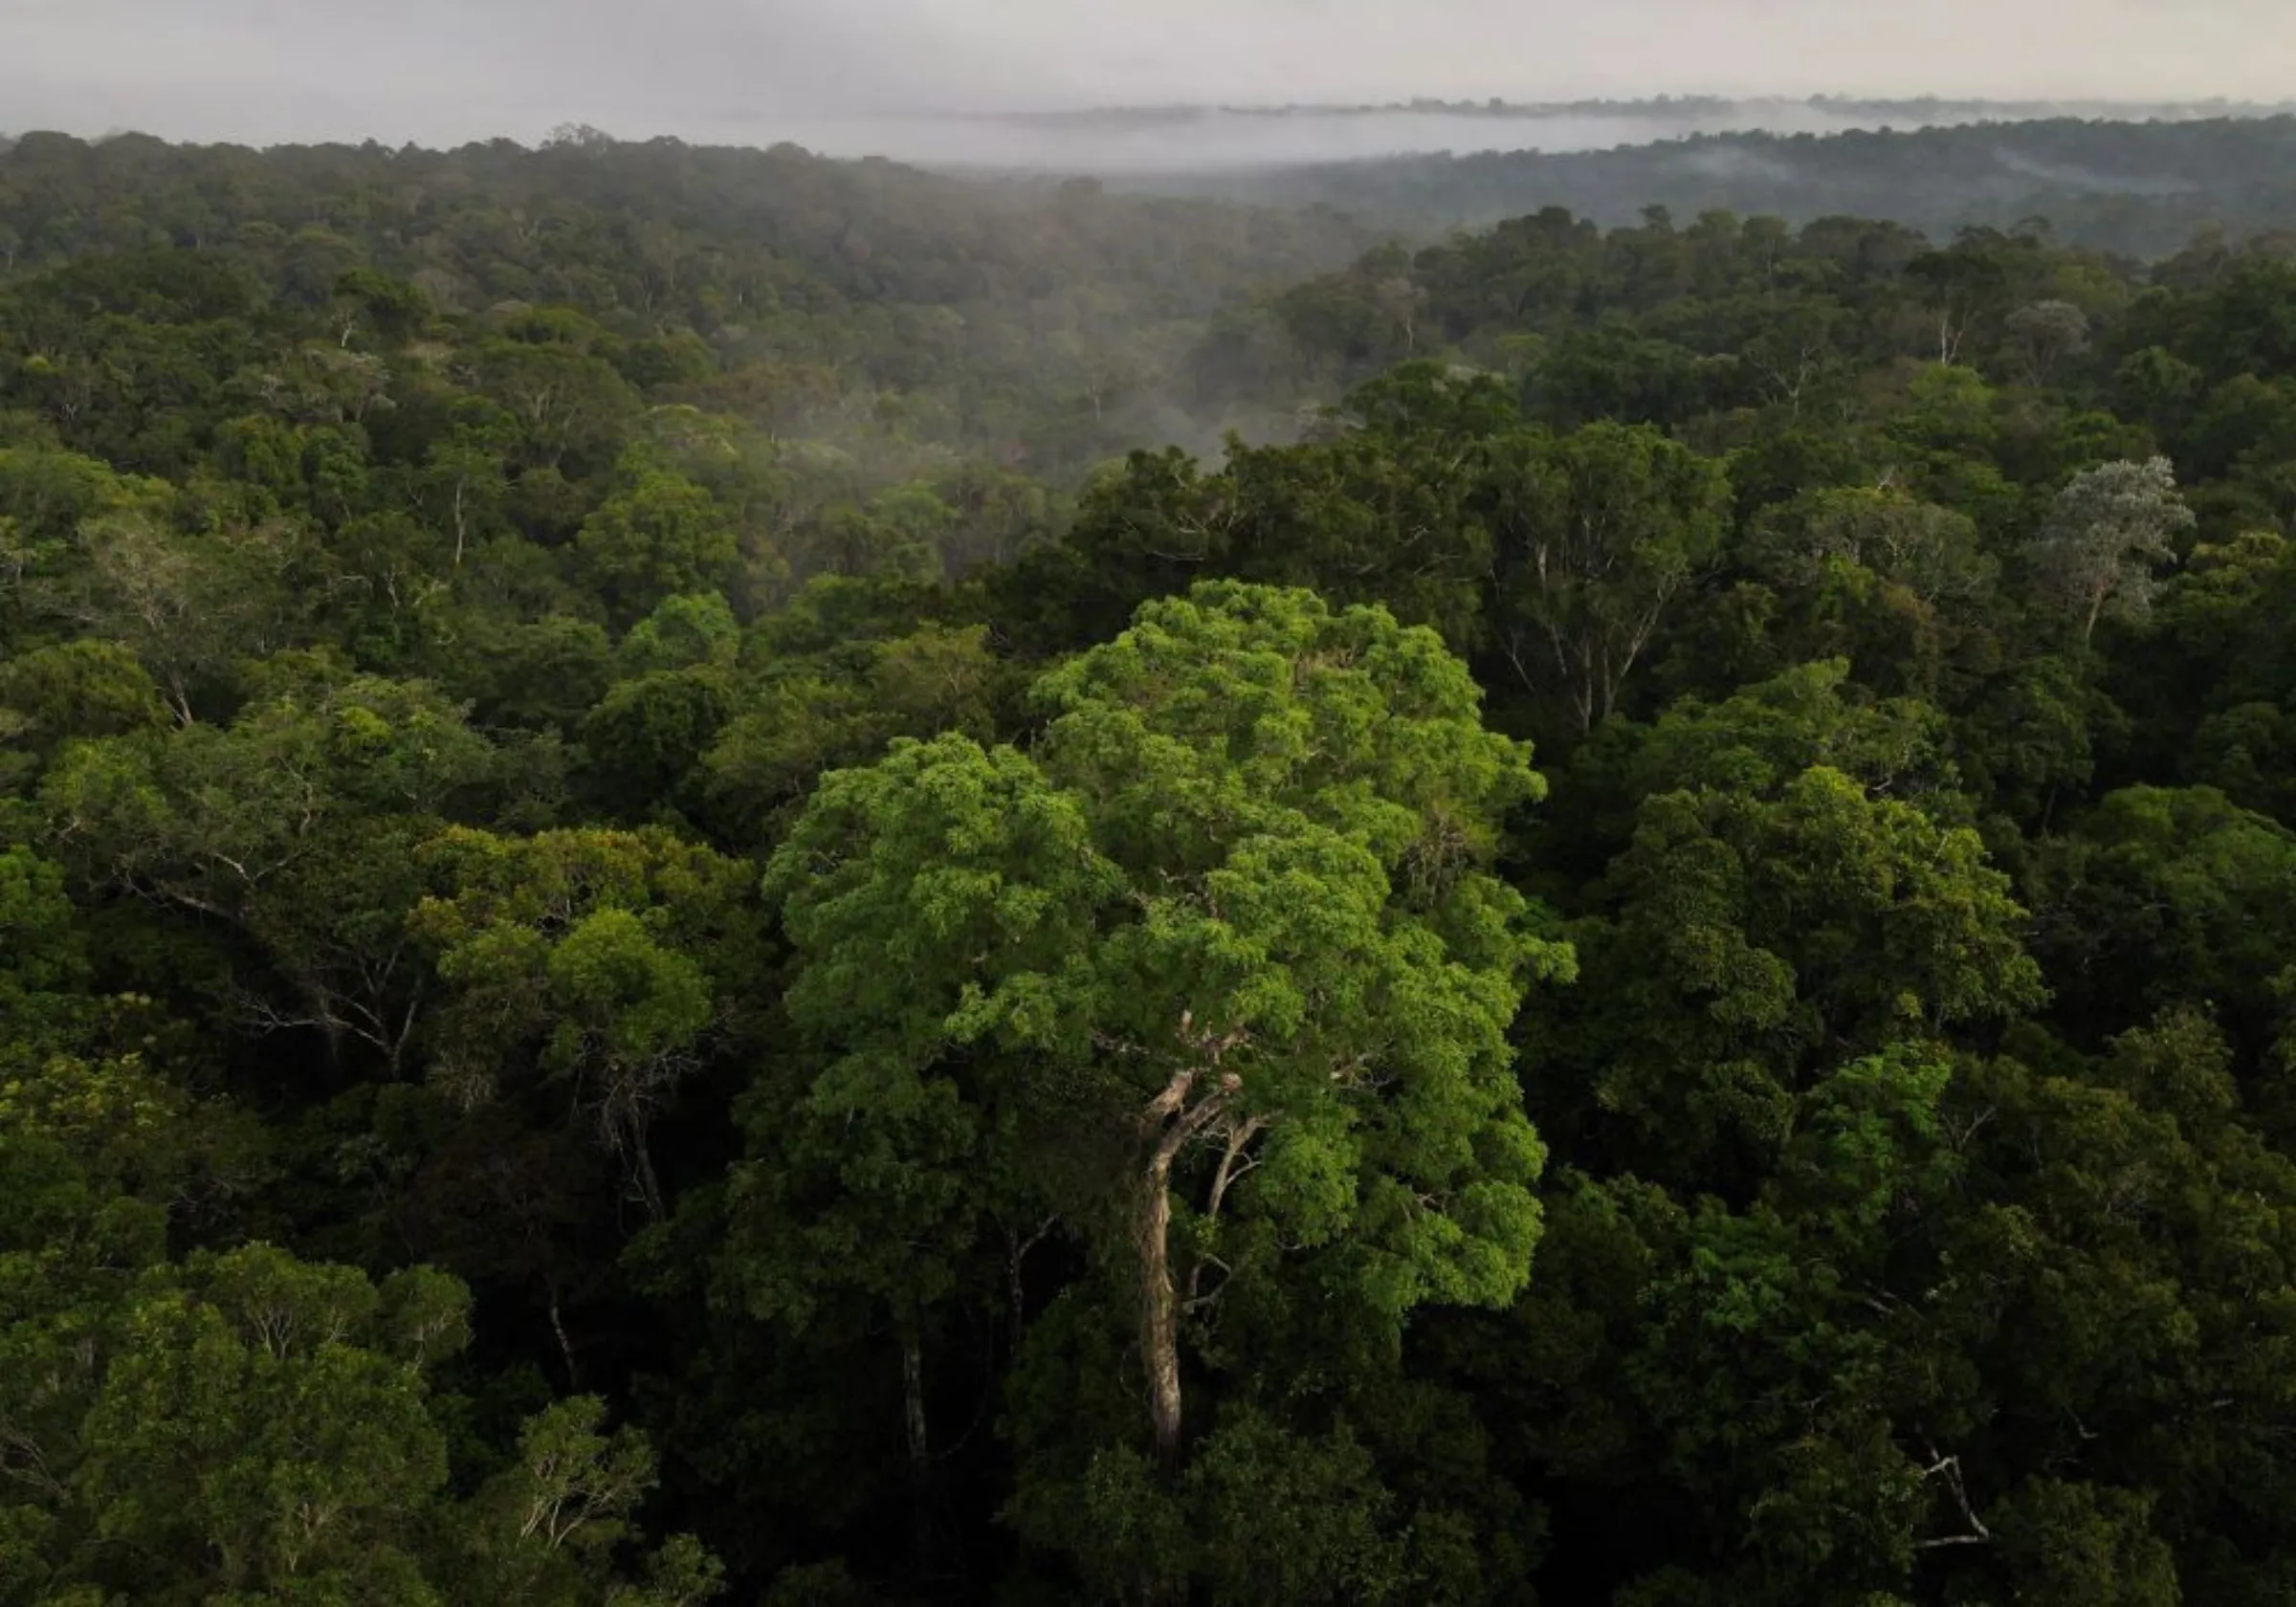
[
  {"x": 949, "y": 830},
  {"x": 2143, "y": 189},
  {"x": 1185, "y": 139}
]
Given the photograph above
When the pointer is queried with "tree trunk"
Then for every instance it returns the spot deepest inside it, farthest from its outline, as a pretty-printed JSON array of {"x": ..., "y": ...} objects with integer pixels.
[
  {"x": 329, "y": 1022},
  {"x": 180, "y": 697},
  {"x": 1016, "y": 1295},
  {"x": 1160, "y": 1312},
  {"x": 650, "y": 1186},
  {"x": 1169, "y": 1122},
  {"x": 920, "y": 1447},
  {"x": 1016, "y": 1288},
  {"x": 566, "y": 1346}
]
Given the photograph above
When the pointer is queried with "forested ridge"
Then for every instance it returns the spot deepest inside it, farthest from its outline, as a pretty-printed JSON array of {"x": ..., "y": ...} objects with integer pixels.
[
  {"x": 667, "y": 932},
  {"x": 1017, "y": 321},
  {"x": 2120, "y": 184}
]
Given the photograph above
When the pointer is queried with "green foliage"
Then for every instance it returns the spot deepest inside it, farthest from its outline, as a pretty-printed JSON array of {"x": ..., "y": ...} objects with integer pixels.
[
  {"x": 257, "y": 1415},
  {"x": 263, "y": 1429},
  {"x": 660, "y": 539},
  {"x": 1746, "y": 934},
  {"x": 2164, "y": 896},
  {"x": 2108, "y": 528},
  {"x": 1229, "y": 936},
  {"x": 598, "y": 961},
  {"x": 676, "y": 920},
  {"x": 1596, "y": 536}
]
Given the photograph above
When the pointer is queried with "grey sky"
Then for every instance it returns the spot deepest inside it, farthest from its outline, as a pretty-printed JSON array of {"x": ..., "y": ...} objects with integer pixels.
[{"x": 446, "y": 70}]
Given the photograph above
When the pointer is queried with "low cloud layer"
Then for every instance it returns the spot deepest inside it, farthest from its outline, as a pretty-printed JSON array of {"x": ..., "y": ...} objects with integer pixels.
[{"x": 438, "y": 71}]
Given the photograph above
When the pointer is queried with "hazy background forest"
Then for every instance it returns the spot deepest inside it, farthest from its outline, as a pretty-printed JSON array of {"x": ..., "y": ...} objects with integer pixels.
[{"x": 1365, "y": 839}]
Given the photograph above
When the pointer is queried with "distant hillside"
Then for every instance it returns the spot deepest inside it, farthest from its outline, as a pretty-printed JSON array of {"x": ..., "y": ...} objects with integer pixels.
[
  {"x": 2141, "y": 188},
  {"x": 1035, "y": 321},
  {"x": 1563, "y": 126},
  {"x": 496, "y": 220},
  {"x": 1181, "y": 138}
]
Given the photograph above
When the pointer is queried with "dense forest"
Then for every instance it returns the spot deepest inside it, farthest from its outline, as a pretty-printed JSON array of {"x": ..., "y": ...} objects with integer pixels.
[
  {"x": 2141, "y": 188},
  {"x": 865, "y": 305},
  {"x": 670, "y": 931}
]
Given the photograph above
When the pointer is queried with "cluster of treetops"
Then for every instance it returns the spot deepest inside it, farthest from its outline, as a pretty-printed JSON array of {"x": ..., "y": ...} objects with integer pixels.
[{"x": 642, "y": 962}]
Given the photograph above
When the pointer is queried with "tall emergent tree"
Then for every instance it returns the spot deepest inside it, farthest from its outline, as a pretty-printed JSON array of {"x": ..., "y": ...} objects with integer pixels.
[
  {"x": 1598, "y": 533},
  {"x": 2110, "y": 530},
  {"x": 1218, "y": 973}
]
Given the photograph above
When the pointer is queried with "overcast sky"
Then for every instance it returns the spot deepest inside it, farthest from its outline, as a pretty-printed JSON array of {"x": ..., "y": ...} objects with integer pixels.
[{"x": 448, "y": 70}]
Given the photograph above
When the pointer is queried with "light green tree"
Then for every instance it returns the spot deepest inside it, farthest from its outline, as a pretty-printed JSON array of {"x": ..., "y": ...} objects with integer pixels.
[{"x": 1226, "y": 940}]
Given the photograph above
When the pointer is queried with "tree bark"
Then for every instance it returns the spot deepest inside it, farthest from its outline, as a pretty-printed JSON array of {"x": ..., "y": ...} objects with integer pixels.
[
  {"x": 566, "y": 1346},
  {"x": 1159, "y": 1311},
  {"x": 1170, "y": 1123},
  {"x": 1016, "y": 1290},
  {"x": 920, "y": 1447},
  {"x": 650, "y": 1186}
]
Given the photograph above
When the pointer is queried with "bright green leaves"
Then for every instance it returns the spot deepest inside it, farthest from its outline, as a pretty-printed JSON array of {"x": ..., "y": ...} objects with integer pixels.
[
  {"x": 1752, "y": 933},
  {"x": 940, "y": 899},
  {"x": 1869, "y": 1140},
  {"x": 1257, "y": 695},
  {"x": 601, "y": 959},
  {"x": 944, "y": 852},
  {"x": 1218, "y": 975},
  {"x": 621, "y": 994}
]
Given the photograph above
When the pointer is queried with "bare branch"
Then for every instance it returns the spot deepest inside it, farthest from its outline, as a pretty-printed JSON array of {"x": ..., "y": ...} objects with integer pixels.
[{"x": 1948, "y": 1467}]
